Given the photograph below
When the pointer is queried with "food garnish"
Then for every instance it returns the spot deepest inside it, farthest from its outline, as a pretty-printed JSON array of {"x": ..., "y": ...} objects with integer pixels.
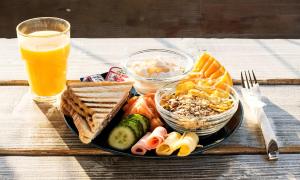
[
  {"x": 122, "y": 137},
  {"x": 142, "y": 119},
  {"x": 207, "y": 67},
  {"x": 128, "y": 131},
  {"x": 144, "y": 105}
]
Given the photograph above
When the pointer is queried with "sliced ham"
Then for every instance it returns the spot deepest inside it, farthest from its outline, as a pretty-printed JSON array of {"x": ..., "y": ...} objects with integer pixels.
[
  {"x": 140, "y": 148},
  {"x": 156, "y": 137}
]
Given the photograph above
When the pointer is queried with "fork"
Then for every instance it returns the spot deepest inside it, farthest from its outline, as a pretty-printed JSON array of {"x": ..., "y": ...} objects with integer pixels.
[{"x": 253, "y": 98}]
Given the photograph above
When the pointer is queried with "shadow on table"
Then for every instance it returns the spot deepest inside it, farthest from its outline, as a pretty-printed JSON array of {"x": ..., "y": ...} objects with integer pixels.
[
  {"x": 9, "y": 172},
  {"x": 137, "y": 168},
  {"x": 205, "y": 166},
  {"x": 293, "y": 42},
  {"x": 56, "y": 118},
  {"x": 194, "y": 166},
  {"x": 279, "y": 58},
  {"x": 125, "y": 167},
  {"x": 283, "y": 123},
  {"x": 89, "y": 53}
]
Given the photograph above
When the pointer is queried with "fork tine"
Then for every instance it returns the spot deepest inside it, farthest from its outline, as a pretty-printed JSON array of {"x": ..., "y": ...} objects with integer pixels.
[
  {"x": 247, "y": 81},
  {"x": 251, "y": 82},
  {"x": 242, "y": 80},
  {"x": 255, "y": 81}
]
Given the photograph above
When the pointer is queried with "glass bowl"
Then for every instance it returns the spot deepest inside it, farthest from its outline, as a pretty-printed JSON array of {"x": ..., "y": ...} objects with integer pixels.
[
  {"x": 202, "y": 126},
  {"x": 145, "y": 84}
]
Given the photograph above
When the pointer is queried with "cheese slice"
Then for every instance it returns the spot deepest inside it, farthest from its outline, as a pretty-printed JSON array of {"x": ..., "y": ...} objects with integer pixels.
[
  {"x": 170, "y": 144},
  {"x": 188, "y": 144}
]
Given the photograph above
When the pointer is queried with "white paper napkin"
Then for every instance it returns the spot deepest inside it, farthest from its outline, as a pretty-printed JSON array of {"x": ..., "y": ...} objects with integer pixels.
[{"x": 254, "y": 106}]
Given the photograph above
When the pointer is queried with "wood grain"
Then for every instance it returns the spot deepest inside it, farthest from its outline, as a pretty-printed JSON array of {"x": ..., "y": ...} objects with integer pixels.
[
  {"x": 45, "y": 147},
  {"x": 28, "y": 129},
  {"x": 270, "y": 59},
  {"x": 204, "y": 167},
  {"x": 235, "y": 82},
  {"x": 25, "y": 82},
  {"x": 155, "y": 18}
]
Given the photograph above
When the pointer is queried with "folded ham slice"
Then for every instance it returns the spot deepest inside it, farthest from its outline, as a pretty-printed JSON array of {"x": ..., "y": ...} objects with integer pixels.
[
  {"x": 156, "y": 137},
  {"x": 140, "y": 148}
]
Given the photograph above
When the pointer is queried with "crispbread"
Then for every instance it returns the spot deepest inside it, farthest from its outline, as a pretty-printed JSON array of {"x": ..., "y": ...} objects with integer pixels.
[{"x": 93, "y": 104}]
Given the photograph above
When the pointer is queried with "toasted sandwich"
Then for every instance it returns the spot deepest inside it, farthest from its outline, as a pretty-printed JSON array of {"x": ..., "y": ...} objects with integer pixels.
[{"x": 93, "y": 104}]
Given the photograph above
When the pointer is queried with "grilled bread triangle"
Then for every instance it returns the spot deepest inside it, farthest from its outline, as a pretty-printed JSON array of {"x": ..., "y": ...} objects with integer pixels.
[{"x": 93, "y": 104}]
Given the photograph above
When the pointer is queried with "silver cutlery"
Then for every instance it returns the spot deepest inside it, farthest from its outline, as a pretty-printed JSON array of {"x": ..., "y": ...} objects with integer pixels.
[{"x": 253, "y": 98}]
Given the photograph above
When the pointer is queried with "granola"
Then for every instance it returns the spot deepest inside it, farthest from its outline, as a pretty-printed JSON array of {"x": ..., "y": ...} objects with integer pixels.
[
  {"x": 196, "y": 104},
  {"x": 187, "y": 105}
]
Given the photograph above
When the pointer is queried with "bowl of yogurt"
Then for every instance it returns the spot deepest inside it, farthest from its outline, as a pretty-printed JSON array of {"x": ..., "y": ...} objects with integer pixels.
[{"x": 151, "y": 69}]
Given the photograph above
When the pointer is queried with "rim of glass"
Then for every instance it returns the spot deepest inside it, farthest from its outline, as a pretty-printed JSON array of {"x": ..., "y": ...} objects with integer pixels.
[
  {"x": 173, "y": 51},
  {"x": 216, "y": 116},
  {"x": 46, "y": 36}
]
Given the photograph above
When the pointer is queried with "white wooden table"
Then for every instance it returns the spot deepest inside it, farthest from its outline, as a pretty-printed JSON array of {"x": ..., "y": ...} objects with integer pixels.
[{"x": 37, "y": 144}]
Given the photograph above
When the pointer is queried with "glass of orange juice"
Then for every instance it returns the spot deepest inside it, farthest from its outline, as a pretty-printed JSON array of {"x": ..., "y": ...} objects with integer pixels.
[{"x": 44, "y": 45}]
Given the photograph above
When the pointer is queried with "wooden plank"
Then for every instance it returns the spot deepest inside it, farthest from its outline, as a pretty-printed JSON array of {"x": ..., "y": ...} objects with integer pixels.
[
  {"x": 28, "y": 129},
  {"x": 90, "y": 150},
  {"x": 235, "y": 82},
  {"x": 270, "y": 59},
  {"x": 204, "y": 167},
  {"x": 26, "y": 83},
  {"x": 155, "y": 18},
  {"x": 273, "y": 82}
]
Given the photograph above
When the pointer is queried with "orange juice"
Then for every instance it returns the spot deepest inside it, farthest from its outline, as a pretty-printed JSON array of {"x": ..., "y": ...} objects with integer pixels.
[{"x": 46, "y": 62}]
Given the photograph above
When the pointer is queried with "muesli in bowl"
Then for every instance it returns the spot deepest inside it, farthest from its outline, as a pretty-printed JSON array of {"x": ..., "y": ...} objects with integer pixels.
[{"x": 200, "y": 107}]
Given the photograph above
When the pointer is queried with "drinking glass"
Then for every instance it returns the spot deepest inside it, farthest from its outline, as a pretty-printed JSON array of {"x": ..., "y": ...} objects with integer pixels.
[{"x": 44, "y": 44}]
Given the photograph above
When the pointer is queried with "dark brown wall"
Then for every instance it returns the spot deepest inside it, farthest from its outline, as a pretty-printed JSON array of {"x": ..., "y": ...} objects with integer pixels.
[{"x": 161, "y": 18}]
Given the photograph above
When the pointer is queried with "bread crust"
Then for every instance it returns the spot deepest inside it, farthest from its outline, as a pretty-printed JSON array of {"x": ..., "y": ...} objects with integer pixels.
[{"x": 92, "y": 114}]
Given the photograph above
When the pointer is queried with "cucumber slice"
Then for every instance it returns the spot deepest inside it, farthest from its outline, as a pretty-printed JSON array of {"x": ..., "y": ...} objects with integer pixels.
[
  {"x": 122, "y": 137},
  {"x": 143, "y": 120},
  {"x": 135, "y": 125}
]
